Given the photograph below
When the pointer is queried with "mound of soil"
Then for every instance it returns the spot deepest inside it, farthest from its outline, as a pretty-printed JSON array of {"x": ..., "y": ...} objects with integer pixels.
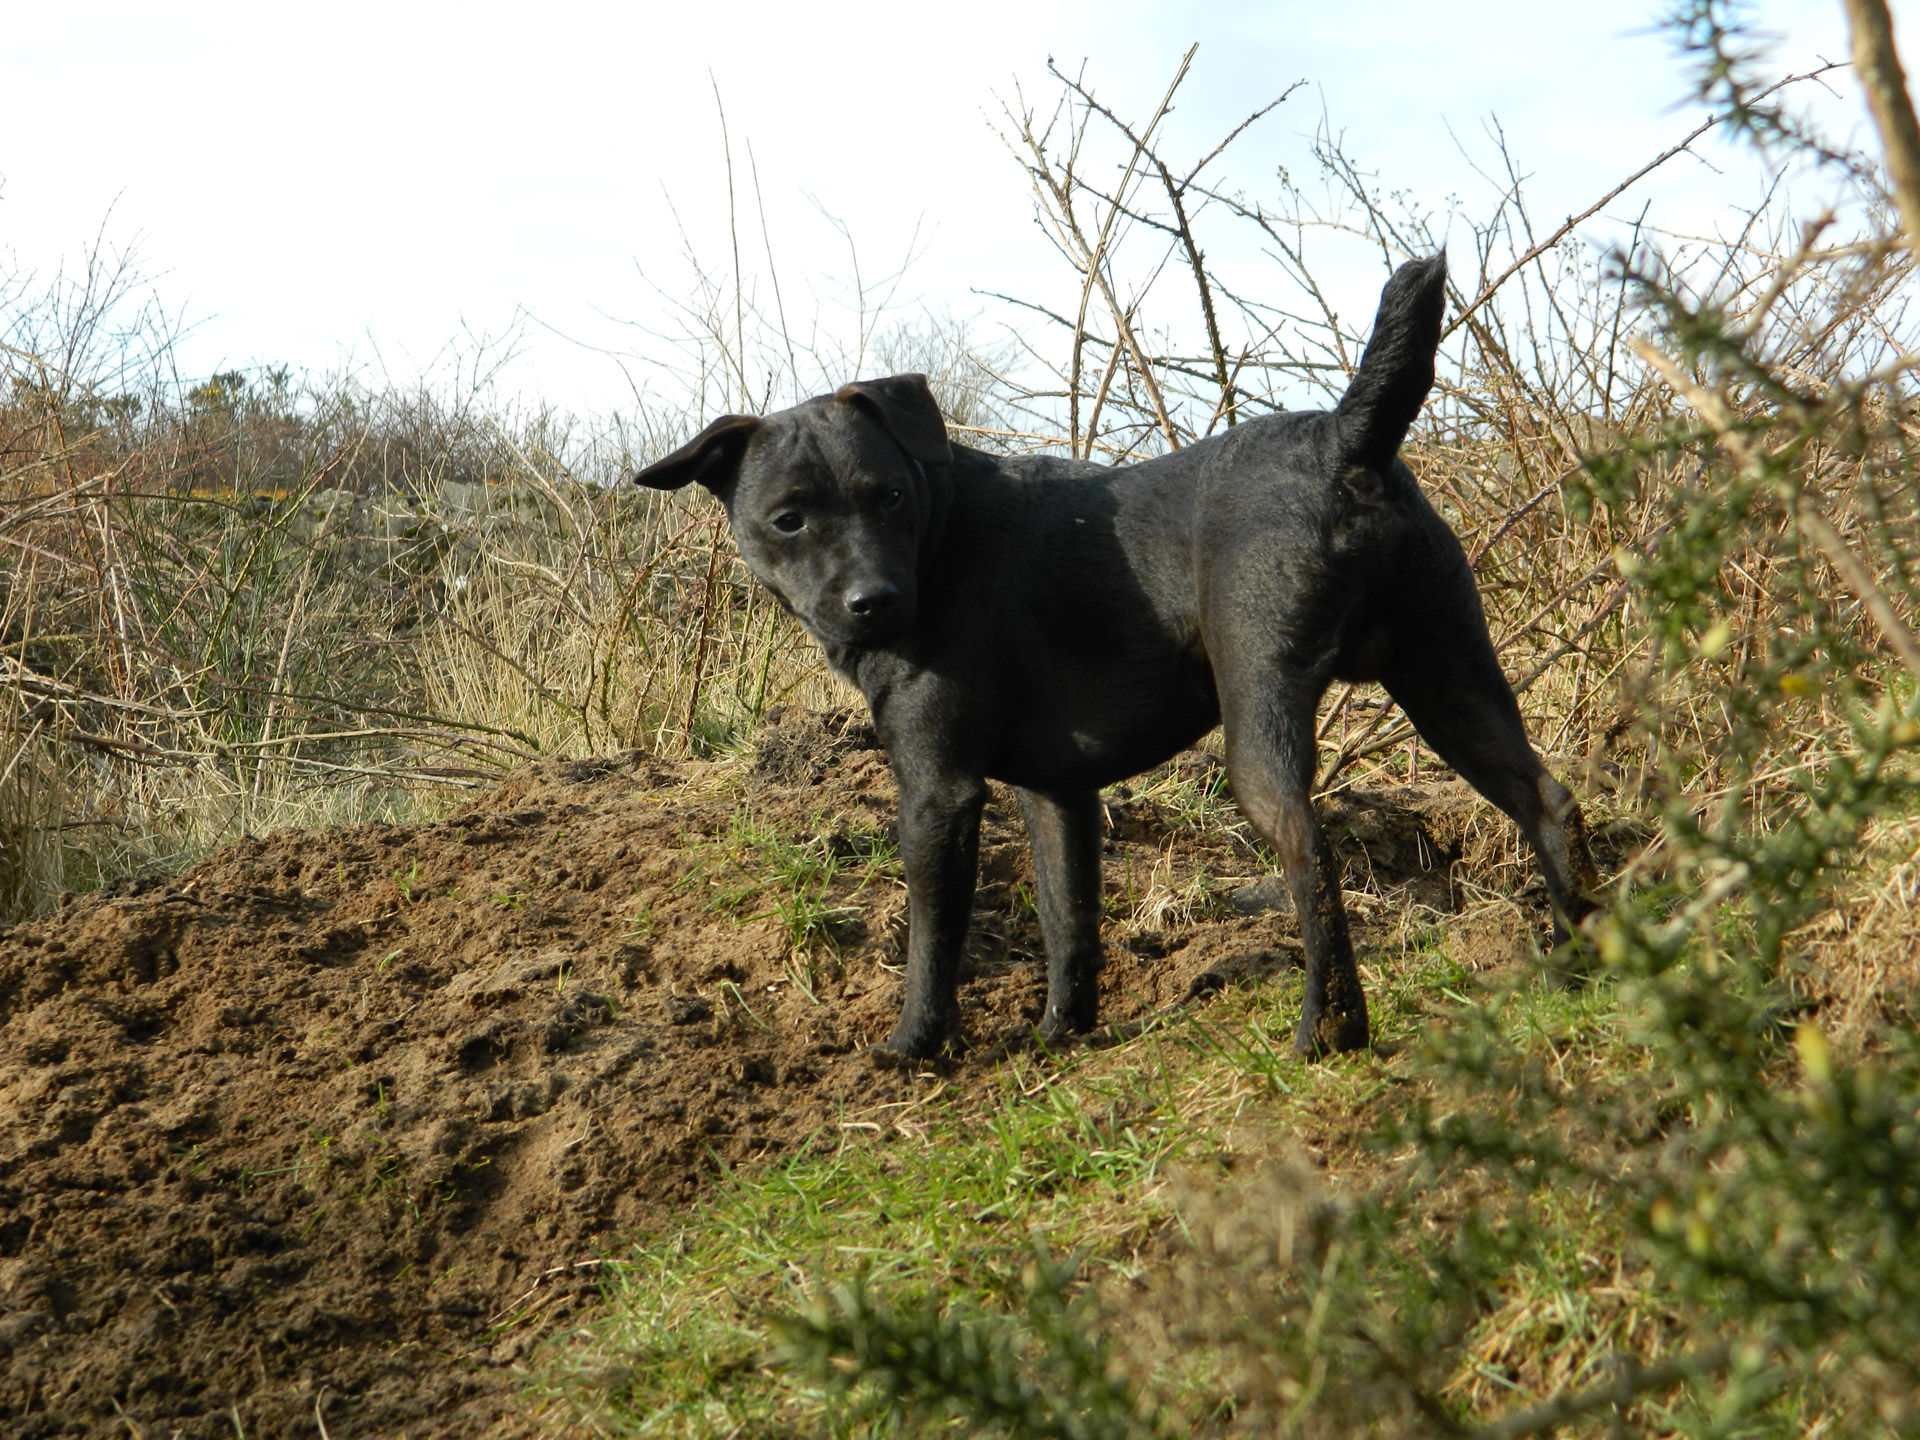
[{"x": 339, "y": 1124}]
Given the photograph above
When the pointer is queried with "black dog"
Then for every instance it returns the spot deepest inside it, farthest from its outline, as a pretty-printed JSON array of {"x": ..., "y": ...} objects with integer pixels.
[{"x": 1062, "y": 626}]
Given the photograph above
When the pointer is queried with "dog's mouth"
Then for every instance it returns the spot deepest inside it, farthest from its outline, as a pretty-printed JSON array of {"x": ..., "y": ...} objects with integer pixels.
[{"x": 871, "y": 629}]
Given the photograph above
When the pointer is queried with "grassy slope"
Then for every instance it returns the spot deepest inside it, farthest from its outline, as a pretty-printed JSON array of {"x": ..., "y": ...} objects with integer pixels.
[
  {"x": 1113, "y": 1156},
  {"x": 1522, "y": 1185}
]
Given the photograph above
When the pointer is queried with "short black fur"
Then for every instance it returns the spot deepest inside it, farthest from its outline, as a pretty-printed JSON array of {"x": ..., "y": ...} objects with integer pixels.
[{"x": 1061, "y": 626}]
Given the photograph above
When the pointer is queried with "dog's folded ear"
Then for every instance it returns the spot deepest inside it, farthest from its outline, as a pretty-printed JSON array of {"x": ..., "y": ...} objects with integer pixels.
[
  {"x": 904, "y": 406},
  {"x": 1396, "y": 372},
  {"x": 712, "y": 457}
]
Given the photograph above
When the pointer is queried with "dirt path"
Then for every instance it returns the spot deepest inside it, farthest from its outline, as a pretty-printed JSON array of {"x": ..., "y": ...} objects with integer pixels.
[{"x": 343, "y": 1122}]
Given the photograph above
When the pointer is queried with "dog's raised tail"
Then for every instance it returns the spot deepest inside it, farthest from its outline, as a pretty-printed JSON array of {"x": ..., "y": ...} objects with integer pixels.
[{"x": 1396, "y": 372}]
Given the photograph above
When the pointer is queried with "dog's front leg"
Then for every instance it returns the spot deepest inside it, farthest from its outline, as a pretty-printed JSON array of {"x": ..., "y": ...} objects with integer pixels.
[
  {"x": 940, "y": 849},
  {"x": 1066, "y": 833}
]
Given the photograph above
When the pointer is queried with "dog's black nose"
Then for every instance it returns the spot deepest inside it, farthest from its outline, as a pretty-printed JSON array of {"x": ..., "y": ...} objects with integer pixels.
[{"x": 874, "y": 599}]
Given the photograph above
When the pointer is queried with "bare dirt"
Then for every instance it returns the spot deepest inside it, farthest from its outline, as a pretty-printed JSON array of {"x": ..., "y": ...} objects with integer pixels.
[{"x": 337, "y": 1125}]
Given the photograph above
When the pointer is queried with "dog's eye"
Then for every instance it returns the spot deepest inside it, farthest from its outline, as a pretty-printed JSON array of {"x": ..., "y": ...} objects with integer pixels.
[
  {"x": 893, "y": 499},
  {"x": 789, "y": 522}
]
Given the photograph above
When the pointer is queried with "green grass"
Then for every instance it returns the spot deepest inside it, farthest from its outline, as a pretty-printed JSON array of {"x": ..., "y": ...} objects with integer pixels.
[
  {"x": 1195, "y": 1233},
  {"x": 933, "y": 1203},
  {"x": 757, "y": 871}
]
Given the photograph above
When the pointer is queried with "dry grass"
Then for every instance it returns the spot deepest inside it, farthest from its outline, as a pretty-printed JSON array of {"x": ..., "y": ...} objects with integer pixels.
[
  {"x": 255, "y": 603},
  {"x": 182, "y": 665},
  {"x": 1864, "y": 953}
]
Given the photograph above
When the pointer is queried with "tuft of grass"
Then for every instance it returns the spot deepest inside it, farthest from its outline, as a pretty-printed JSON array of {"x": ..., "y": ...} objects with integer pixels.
[
  {"x": 1169, "y": 900},
  {"x": 806, "y": 884}
]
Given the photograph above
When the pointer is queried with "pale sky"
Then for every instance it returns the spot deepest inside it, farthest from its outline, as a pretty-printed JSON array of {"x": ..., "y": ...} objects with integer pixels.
[{"x": 364, "y": 184}]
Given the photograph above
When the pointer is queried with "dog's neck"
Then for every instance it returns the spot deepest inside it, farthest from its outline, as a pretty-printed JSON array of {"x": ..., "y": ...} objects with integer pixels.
[{"x": 874, "y": 670}]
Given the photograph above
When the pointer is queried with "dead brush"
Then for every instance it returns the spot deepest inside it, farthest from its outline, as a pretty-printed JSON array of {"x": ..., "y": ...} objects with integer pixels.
[
  {"x": 1539, "y": 374},
  {"x": 31, "y": 821},
  {"x": 1865, "y": 952},
  {"x": 256, "y": 602}
]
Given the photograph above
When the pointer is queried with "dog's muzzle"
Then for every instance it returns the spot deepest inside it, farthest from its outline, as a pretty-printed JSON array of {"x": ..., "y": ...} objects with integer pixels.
[{"x": 876, "y": 609}]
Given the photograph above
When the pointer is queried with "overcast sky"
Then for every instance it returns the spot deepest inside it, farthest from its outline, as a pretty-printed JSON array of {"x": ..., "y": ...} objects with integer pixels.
[{"x": 365, "y": 184}]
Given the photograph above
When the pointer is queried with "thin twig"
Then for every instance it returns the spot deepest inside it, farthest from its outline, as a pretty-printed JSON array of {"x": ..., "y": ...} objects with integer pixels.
[{"x": 1535, "y": 252}]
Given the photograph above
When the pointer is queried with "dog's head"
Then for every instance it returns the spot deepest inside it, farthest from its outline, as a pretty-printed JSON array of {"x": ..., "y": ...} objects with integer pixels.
[{"x": 833, "y": 503}]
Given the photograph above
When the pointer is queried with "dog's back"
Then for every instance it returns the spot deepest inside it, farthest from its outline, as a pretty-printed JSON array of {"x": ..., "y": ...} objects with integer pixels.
[{"x": 1075, "y": 594}]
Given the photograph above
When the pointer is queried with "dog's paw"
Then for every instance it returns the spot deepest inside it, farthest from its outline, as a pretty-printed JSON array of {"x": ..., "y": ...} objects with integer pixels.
[
  {"x": 1330, "y": 1033},
  {"x": 1075, "y": 1017},
  {"x": 921, "y": 1041},
  {"x": 943, "y": 1060}
]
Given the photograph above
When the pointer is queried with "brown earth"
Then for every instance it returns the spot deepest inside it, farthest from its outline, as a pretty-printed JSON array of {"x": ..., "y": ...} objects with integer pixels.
[{"x": 339, "y": 1124}]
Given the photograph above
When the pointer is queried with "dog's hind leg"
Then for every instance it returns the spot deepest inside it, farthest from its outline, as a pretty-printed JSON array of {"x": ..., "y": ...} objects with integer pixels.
[
  {"x": 1270, "y": 757},
  {"x": 1065, "y": 829},
  {"x": 1462, "y": 705}
]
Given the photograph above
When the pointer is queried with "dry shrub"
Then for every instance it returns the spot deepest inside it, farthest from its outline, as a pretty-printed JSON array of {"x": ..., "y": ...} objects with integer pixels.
[
  {"x": 1538, "y": 373},
  {"x": 258, "y": 602}
]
